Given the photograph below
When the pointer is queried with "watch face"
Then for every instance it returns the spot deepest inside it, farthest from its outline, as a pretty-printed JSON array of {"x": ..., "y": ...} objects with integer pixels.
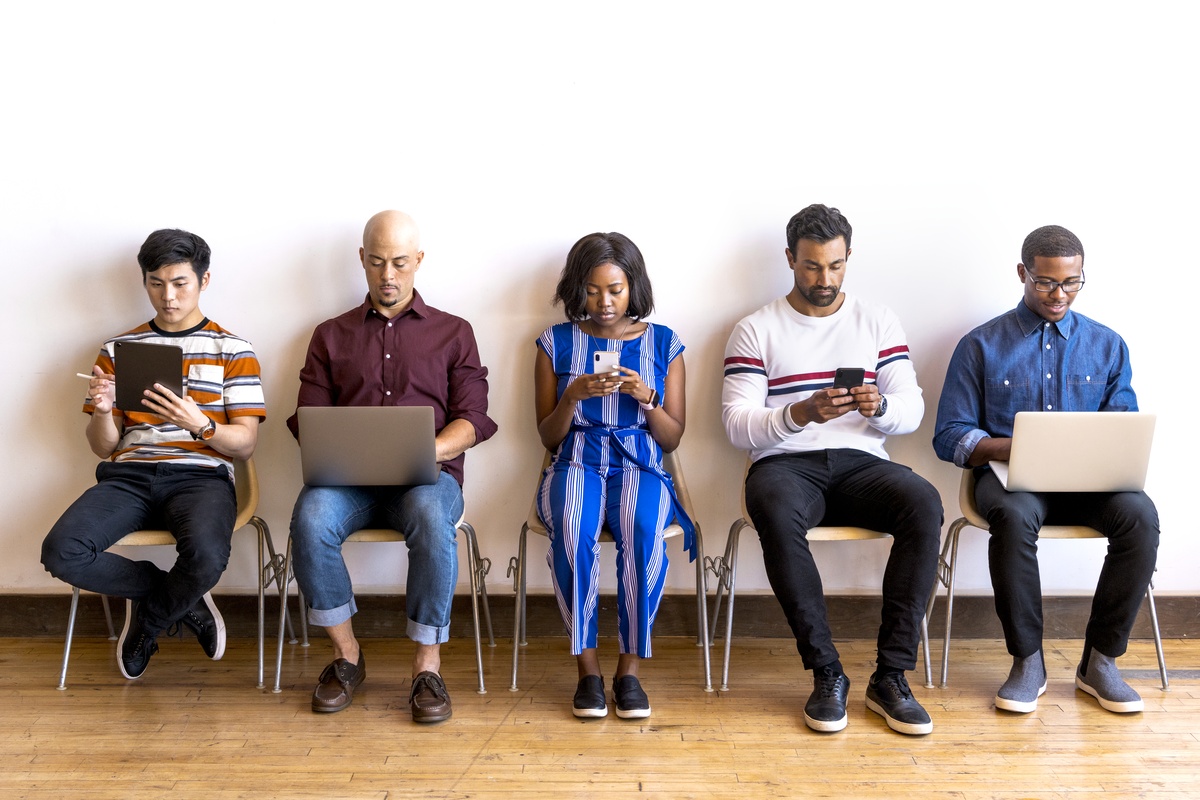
[{"x": 209, "y": 431}]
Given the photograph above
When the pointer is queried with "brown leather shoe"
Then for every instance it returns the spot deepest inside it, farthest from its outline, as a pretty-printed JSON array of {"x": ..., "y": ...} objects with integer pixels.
[
  {"x": 429, "y": 700},
  {"x": 337, "y": 684}
]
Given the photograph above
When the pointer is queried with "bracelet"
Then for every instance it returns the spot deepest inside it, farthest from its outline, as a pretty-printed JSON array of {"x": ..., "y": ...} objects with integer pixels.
[{"x": 652, "y": 403}]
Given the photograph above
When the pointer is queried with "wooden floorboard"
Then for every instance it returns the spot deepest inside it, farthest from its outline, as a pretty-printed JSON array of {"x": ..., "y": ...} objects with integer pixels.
[{"x": 195, "y": 728}]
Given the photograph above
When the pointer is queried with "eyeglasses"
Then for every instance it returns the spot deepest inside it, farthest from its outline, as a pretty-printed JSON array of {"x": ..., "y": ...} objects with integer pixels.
[{"x": 1070, "y": 285}]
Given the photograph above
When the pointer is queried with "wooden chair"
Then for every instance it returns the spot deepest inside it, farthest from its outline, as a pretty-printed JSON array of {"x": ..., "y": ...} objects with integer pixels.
[
  {"x": 270, "y": 568},
  {"x": 948, "y": 566},
  {"x": 478, "y": 568},
  {"x": 724, "y": 568},
  {"x": 517, "y": 567}
]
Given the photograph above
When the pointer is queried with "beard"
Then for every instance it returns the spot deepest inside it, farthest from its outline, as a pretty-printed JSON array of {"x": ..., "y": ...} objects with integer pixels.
[{"x": 818, "y": 300}]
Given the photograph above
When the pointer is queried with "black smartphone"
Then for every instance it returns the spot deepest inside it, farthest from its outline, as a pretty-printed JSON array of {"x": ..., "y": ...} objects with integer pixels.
[{"x": 848, "y": 377}]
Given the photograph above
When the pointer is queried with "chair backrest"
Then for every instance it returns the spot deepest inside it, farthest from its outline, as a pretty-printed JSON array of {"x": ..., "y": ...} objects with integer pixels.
[
  {"x": 820, "y": 533},
  {"x": 966, "y": 503},
  {"x": 246, "y": 489},
  {"x": 671, "y": 464}
]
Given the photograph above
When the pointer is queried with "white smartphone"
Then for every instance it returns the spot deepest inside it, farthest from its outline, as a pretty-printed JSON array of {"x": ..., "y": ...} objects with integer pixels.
[{"x": 605, "y": 361}]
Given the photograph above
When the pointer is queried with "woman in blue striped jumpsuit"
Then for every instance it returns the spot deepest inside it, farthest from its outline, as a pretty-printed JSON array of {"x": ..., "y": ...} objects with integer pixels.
[{"x": 608, "y": 431}]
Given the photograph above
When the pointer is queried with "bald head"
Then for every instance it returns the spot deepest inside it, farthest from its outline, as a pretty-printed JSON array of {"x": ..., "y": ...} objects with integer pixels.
[
  {"x": 392, "y": 226},
  {"x": 391, "y": 255}
]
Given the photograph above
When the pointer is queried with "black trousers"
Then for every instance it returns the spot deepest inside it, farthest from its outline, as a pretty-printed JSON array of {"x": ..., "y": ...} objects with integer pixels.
[
  {"x": 1128, "y": 519},
  {"x": 789, "y": 494}
]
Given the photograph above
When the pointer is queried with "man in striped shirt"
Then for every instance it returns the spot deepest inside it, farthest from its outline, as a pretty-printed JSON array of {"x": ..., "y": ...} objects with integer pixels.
[
  {"x": 818, "y": 459},
  {"x": 169, "y": 464}
]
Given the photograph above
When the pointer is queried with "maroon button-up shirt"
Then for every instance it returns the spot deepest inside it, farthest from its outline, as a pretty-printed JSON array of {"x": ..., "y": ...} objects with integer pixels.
[{"x": 422, "y": 357}]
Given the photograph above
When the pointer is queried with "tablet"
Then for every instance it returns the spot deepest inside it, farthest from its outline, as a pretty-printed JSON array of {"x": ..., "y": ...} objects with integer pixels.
[{"x": 140, "y": 365}]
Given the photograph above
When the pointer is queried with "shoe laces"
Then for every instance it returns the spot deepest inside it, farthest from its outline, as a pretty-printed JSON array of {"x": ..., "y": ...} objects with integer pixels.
[
  {"x": 431, "y": 682},
  {"x": 828, "y": 684},
  {"x": 144, "y": 642},
  {"x": 896, "y": 683}
]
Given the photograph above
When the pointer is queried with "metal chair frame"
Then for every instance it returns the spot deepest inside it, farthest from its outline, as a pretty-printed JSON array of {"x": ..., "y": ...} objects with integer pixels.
[
  {"x": 478, "y": 568},
  {"x": 517, "y": 568},
  {"x": 948, "y": 568},
  {"x": 271, "y": 569}
]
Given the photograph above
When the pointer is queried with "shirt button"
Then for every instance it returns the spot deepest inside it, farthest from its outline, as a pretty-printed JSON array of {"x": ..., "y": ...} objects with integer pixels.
[
  {"x": 1048, "y": 375},
  {"x": 1049, "y": 408},
  {"x": 1089, "y": 377},
  {"x": 389, "y": 324},
  {"x": 389, "y": 394},
  {"x": 1047, "y": 347},
  {"x": 389, "y": 355},
  {"x": 1006, "y": 383}
]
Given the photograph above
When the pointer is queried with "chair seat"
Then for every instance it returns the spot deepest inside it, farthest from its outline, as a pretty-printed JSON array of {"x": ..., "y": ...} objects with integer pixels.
[{"x": 839, "y": 533}]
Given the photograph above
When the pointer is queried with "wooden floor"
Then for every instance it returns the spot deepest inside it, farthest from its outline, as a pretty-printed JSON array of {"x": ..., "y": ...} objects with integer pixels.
[{"x": 195, "y": 728}]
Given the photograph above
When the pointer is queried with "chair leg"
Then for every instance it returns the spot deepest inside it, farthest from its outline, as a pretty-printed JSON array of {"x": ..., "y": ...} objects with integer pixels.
[
  {"x": 62, "y": 676},
  {"x": 950, "y": 572},
  {"x": 1158, "y": 647},
  {"x": 262, "y": 608},
  {"x": 473, "y": 567},
  {"x": 702, "y": 611},
  {"x": 518, "y": 571},
  {"x": 482, "y": 567},
  {"x": 281, "y": 571},
  {"x": 724, "y": 568},
  {"x": 112, "y": 634}
]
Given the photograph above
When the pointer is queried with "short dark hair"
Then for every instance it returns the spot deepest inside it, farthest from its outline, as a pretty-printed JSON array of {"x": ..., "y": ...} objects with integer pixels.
[
  {"x": 173, "y": 246},
  {"x": 1050, "y": 241},
  {"x": 820, "y": 223},
  {"x": 592, "y": 251}
]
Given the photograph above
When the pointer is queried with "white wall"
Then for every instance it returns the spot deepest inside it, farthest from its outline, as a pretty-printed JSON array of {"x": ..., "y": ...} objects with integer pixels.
[{"x": 509, "y": 130}]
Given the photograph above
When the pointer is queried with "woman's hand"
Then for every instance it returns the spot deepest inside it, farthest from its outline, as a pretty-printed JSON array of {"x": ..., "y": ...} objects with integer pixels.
[
  {"x": 598, "y": 385},
  {"x": 630, "y": 383}
]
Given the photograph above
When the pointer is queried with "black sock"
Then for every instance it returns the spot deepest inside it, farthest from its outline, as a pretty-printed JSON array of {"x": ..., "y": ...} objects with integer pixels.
[
  {"x": 834, "y": 666},
  {"x": 883, "y": 669}
]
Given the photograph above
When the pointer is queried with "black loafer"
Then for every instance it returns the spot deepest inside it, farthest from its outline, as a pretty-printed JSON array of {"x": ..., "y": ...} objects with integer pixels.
[{"x": 589, "y": 698}]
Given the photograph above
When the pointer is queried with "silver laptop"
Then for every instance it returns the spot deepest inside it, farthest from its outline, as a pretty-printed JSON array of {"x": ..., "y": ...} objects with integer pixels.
[
  {"x": 367, "y": 445},
  {"x": 1078, "y": 451}
]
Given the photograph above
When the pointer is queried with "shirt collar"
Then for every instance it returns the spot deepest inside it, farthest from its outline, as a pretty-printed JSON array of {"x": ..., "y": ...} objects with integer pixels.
[
  {"x": 417, "y": 307},
  {"x": 1030, "y": 321}
]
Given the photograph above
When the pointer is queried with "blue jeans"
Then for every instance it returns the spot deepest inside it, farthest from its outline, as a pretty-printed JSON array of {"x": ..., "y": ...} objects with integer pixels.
[
  {"x": 788, "y": 494},
  {"x": 325, "y": 516},
  {"x": 198, "y": 506}
]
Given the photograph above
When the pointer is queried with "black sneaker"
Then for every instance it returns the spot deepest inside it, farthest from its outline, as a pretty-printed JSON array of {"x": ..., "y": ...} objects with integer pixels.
[
  {"x": 205, "y": 621},
  {"x": 632, "y": 702},
  {"x": 589, "y": 698},
  {"x": 135, "y": 646},
  {"x": 889, "y": 697},
  {"x": 825, "y": 710}
]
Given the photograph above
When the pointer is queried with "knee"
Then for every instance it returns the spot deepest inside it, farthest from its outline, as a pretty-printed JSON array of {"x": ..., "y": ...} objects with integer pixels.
[
  {"x": 206, "y": 560},
  {"x": 64, "y": 557}
]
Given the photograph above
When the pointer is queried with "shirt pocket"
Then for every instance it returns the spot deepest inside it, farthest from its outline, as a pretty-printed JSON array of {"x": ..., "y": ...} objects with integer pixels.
[
  {"x": 206, "y": 382},
  {"x": 1004, "y": 396},
  {"x": 1084, "y": 392}
]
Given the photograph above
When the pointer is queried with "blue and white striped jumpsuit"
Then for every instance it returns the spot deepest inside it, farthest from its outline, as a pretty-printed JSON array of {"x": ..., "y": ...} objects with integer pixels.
[{"x": 608, "y": 469}]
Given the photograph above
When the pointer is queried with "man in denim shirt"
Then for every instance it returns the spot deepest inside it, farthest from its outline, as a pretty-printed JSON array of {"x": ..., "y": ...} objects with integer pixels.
[{"x": 1041, "y": 356}]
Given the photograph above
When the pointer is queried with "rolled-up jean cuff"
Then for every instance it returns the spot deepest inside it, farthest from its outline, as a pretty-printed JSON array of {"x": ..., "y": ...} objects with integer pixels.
[
  {"x": 425, "y": 634},
  {"x": 333, "y": 616}
]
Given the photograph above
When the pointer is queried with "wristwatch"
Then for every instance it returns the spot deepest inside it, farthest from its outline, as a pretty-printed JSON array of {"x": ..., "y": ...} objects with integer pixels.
[
  {"x": 879, "y": 412},
  {"x": 652, "y": 403},
  {"x": 206, "y": 433}
]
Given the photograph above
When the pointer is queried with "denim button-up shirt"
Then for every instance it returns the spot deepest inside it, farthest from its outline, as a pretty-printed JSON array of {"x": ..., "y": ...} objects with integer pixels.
[{"x": 1020, "y": 362}]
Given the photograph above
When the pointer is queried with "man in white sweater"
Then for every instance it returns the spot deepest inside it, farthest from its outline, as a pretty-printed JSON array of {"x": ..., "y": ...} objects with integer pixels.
[{"x": 818, "y": 459}]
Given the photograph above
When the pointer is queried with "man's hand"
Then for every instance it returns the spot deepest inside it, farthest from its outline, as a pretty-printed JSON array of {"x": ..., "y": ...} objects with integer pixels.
[
  {"x": 180, "y": 411},
  {"x": 867, "y": 399},
  {"x": 822, "y": 406},
  {"x": 103, "y": 390}
]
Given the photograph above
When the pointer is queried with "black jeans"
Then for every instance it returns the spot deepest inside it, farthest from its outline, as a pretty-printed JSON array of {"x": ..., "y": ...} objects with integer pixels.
[
  {"x": 788, "y": 494},
  {"x": 1128, "y": 519},
  {"x": 198, "y": 506}
]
